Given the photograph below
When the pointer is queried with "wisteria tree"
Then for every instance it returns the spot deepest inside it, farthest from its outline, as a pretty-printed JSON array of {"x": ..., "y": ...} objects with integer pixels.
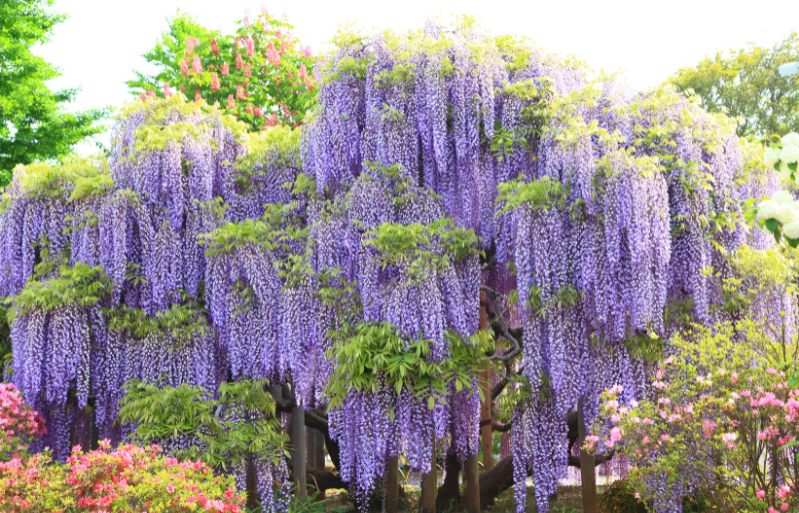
[{"x": 345, "y": 261}]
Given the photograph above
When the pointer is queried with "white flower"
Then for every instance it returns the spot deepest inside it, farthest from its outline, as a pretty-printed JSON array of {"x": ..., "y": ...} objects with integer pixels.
[
  {"x": 766, "y": 210},
  {"x": 791, "y": 139},
  {"x": 791, "y": 230},
  {"x": 789, "y": 154},
  {"x": 782, "y": 196},
  {"x": 785, "y": 213},
  {"x": 772, "y": 156},
  {"x": 785, "y": 173}
]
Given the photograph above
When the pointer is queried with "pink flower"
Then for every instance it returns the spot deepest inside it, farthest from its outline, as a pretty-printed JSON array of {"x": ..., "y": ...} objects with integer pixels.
[
  {"x": 214, "y": 47},
  {"x": 734, "y": 377},
  {"x": 195, "y": 64},
  {"x": 214, "y": 82},
  {"x": 771, "y": 370},
  {"x": 306, "y": 51},
  {"x": 190, "y": 43},
  {"x": 783, "y": 492},
  {"x": 239, "y": 61},
  {"x": 246, "y": 18},
  {"x": 231, "y": 103},
  {"x": 729, "y": 439},
  {"x": 615, "y": 434},
  {"x": 258, "y": 113},
  {"x": 239, "y": 92},
  {"x": 784, "y": 506},
  {"x": 250, "y": 47},
  {"x": 665, "y": 438},
  {"x": 760, "y": 494},
  {"x": 197, "y": 96},
  {"x": 271, "y": 120},
  {"x": 225, "y": 69},
  {"x": 170, "y": 489},
  {"x": 247, "y": 70},
  {"x": 184, "y": 67}
]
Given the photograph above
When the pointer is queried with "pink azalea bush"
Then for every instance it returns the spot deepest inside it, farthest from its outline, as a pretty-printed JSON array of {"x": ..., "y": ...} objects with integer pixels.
[
  {"x": 19, "y": 424},
  {"x": 720, "y": 423},
  {"x": 130, "y": 478}
]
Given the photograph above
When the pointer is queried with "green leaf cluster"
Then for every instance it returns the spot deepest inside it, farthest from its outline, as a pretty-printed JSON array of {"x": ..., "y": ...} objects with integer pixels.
[
  {"x": 543, "y": 194},
  {"x": 79, "y": 285},
  {"x": 378, "y": 356},
  {"x": 222, "y": 439},
  {"x": 419, "y": 248}
]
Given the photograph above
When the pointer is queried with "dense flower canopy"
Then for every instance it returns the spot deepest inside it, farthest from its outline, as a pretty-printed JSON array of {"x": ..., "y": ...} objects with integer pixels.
[{"x": 439, "y": 163}]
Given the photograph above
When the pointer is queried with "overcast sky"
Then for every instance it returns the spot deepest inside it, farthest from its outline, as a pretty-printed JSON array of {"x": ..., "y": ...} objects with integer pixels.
[{"x": 102, "y": 41}]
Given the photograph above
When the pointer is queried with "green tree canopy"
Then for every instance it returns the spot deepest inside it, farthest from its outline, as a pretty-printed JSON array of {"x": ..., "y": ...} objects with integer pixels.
[
  {"x": 745, "y": 83},
  {"x": 33, "y": 123}
]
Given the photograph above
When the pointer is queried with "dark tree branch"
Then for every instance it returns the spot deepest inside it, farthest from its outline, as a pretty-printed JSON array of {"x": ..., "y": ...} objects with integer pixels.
[
  {"x": 498, "y": 388},
  {"x": 496, "y": 426},
  {"x": 500, "y": 325}
]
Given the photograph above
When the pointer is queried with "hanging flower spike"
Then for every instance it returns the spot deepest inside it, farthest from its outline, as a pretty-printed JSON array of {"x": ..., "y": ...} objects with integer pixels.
[
  {"x": 214, "y": 47},
  {"x": 143, "y": 96},
  {"x": 250, "y": 47},
  {"x": 214, "y": 82},
  {"x": 197, "y": 96},
  {"x": 195, "y": 65},
  {"x": 231, "y": 103},
  {"x": 282, "y": 49},
  {"x": 151, "y": 93},
  {"x": 225, "y": 69},
  {"x": 239, "y": 61},
  {"x": 247, "y": 71},
  {"x": 184, "y": 67},
  {"x": 272, "y": 56},
  {"x": 258, "y": 113},
  {"x": 167, "y": 91},
  {"x": 190, "y": 43},
  {"x": 239, "y": 92},
  {"x": 303, "y": 73}
]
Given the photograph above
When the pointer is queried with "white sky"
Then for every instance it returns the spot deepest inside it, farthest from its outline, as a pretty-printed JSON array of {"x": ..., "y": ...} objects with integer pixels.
[{"x": 102, "y": 41}]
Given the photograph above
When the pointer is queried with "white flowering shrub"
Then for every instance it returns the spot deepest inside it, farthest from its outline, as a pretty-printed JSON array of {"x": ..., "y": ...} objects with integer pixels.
[{"x": 780, "y": 214}]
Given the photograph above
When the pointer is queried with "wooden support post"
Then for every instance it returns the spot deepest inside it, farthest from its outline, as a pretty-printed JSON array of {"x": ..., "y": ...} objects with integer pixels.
[
  {"x": 587, "y": 468},
  {"x": 487, "y": 431},
  {"x": 392, "y": 485},
  {"x": 429, "y": 487},
  {"x": 315, "y": 450},
  {"x": 472, "y": 477},
  {"x": 298, "y": 454}
]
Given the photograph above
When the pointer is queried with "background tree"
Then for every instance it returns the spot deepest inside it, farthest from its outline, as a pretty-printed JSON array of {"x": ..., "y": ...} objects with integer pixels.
[
  {"x": 746, "y": 83},
  {"x": 260, "y": 73},
  {"x": 33, "y": 123}
]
